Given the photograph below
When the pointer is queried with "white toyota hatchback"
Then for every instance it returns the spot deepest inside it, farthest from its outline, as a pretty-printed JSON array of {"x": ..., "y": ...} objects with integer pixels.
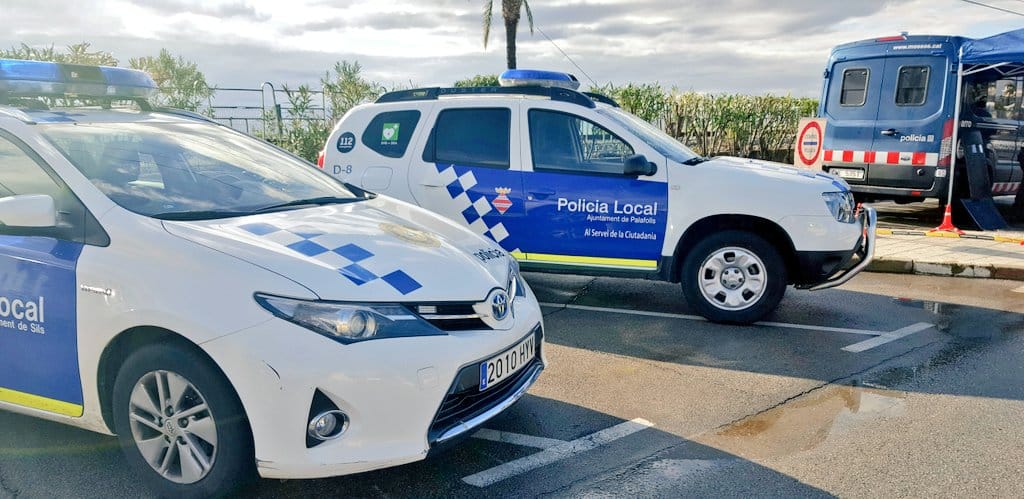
[{"x": 226, "y": 309}]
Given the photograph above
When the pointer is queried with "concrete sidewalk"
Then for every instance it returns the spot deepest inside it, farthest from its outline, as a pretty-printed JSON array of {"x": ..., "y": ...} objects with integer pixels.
[
  {"x": 950, "y": 256},
  {"x": 906, "y": 245}
]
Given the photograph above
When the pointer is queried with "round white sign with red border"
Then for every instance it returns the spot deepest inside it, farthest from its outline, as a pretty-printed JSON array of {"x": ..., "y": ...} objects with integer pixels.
[{"x": 808, "y": 143}]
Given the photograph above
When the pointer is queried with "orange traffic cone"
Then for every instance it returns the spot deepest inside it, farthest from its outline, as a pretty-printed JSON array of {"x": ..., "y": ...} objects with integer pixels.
[{"x": 947, "y": 222}]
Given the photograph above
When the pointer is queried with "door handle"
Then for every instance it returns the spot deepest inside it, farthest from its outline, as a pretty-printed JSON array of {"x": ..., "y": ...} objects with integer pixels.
[
  {"x": 542, "y": 194},
  {"x": 890, "y": 132},
  {"x": 430, "y": 183}
]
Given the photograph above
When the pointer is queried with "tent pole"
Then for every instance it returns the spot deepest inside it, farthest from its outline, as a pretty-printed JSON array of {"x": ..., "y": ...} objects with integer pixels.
[{"x": 947, "y": 219}]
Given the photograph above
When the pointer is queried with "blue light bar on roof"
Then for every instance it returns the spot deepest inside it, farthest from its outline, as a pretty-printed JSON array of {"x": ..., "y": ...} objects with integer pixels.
[
  {"x": 537, "y": 78},
  {"x": 37, "y": 78}
]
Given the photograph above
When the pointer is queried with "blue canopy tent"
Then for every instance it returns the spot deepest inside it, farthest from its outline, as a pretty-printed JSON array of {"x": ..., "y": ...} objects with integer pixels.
[{"x": 1002, "y": 53}]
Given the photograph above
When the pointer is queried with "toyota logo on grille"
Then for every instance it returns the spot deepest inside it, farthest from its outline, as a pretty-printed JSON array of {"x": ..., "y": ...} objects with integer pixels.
[{"x": 499, "y": 304}]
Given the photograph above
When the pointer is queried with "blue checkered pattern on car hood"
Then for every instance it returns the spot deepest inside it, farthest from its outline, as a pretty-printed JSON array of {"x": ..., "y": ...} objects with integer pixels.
[{"x": 347, "y": 257}]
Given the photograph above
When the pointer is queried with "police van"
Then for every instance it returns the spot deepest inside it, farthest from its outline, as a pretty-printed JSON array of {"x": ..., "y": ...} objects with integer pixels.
[
  {"x": 889, "y": 108},
  {"x": 569, "y": 182},
  {"x": 224, "y": 308}
]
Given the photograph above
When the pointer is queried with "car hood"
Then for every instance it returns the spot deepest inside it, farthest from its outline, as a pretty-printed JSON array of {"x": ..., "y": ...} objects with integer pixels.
[
  {"x": 778, "y": 171},
  {"x": 374, "y": 250}
]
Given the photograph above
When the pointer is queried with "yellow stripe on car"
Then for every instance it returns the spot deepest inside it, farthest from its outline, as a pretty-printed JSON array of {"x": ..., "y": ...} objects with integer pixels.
[{"x": 41, "y": 403}]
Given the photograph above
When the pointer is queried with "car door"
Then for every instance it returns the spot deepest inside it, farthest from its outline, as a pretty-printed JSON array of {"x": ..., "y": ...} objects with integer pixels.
[
  {"x": 38, "y": 309},
  {"x": 470, "y": 172},
  {"x": 911, "y": 119},
  {"x": 994, "y": 107},
  {"x": 582, "y": 209}
]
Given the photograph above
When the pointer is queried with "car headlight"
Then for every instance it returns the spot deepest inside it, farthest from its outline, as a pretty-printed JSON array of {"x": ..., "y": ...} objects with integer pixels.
[
  {"x": 349, "y": 322},
  {"x": 516, "y": 287},
  {"x": 842, "y": 206}
]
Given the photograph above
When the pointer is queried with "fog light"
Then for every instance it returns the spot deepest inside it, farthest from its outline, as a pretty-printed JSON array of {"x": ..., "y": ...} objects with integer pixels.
[{"x": 327, "y": 425}]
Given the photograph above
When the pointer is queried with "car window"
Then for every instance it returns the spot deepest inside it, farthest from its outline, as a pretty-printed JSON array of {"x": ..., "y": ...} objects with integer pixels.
[
  {"x": 855, "y": 86},
  {"x": 912, "y": 85},
  {"x": 565, "y": 142},
  {"x": 158, "y": 168},
  {"x": 22, "y": 172},
  {"x": 999, "y": 99},
  {"x": 389, "y": 133},
  {"x": 473, "y": 137},
  {"x": 653, "y": 136}
]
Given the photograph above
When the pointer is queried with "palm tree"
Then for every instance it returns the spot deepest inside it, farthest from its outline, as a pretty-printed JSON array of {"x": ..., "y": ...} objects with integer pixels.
[{"x": 510, "y": 11}]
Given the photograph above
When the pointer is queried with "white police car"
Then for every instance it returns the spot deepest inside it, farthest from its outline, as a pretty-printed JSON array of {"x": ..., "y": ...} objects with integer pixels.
[
  {"x": 569, "y": 182},
  {"x": 224, "y": 308}
]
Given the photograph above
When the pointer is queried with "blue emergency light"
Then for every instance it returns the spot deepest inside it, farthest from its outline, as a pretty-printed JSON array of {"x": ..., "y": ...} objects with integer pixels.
[
  {"x": 20, "y": 78},
  {"x": 537, "y": 78}
]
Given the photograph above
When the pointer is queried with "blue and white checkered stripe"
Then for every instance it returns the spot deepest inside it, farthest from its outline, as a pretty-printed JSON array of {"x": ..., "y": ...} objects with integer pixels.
[
  {"x": 349, "y": 259},
  {"x": 474, "y": 206}
]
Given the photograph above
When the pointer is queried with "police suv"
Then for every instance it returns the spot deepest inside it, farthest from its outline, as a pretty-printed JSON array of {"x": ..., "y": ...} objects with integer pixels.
[
  {"x": 569, "y": 182},
  {"x": 226, "y": 309}
]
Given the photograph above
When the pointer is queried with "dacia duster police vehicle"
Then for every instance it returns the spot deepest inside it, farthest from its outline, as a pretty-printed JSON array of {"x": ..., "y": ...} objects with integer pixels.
[
  {"x": 224, "y": 308},
  {"x": 569, "y": 182}
]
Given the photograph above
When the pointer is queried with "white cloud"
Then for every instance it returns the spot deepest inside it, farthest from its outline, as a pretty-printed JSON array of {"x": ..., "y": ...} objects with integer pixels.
[{"x": 751, "y": 46}]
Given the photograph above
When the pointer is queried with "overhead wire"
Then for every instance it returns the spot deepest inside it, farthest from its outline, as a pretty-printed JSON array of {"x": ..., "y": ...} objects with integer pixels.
[
  {"x": 1008, "y": 11},
  {"x": 592, "y": 82}
]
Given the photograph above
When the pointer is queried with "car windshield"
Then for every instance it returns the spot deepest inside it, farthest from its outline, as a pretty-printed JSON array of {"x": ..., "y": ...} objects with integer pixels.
[
  {"x": 191, "y": 170},
  {"x": 650, "y": 134}
]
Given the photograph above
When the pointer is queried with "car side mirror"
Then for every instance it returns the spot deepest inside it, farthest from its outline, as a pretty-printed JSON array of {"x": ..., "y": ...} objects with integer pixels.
[
  {"x": 28, "y": 210},
  {"x": 637, "y": 165}
]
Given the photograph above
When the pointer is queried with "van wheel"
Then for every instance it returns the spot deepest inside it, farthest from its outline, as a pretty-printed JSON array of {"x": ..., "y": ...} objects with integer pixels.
[
  {"x": 180, "y": 425},
  {"x": 734, "y": 277}
]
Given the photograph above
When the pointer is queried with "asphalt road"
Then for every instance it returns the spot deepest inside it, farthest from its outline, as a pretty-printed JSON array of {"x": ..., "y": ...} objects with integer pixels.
[{"x": 890, "y": 385}]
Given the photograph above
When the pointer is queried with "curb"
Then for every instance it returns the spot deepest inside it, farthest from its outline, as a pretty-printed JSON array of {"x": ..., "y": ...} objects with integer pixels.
[
  {"x": 945, "y": 269},
  {"x": 952, "y": 235}
]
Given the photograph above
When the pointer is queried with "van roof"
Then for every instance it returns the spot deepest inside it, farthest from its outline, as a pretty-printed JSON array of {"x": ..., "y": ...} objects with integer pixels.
[{"x": 886, "y": 43}]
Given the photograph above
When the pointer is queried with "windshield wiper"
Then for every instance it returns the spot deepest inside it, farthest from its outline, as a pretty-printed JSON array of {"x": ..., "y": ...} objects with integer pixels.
[
  {"x": 320, "y": 201},
  {"x": 696, "y": 160},
  {"x": 199, "y": 214}
]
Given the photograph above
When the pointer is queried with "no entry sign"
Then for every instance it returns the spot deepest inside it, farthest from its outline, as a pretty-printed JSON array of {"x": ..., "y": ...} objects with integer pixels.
[{"x": 807, "y": 150}]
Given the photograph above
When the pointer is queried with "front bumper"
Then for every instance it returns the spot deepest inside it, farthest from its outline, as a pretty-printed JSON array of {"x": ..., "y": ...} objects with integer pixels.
[
  {"x": 850, "y": 262},
  {"x": 391, "y": 390}
]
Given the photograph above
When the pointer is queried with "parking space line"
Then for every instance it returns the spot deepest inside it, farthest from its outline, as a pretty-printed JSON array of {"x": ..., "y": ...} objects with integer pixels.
[
  {"x": 556, "y": 453},
  {"x": 887, "y": 337},
  {"x": 880, "y": 337},
  {"x": 517, "y": 439},
  {"x": 829, "y": 329}
]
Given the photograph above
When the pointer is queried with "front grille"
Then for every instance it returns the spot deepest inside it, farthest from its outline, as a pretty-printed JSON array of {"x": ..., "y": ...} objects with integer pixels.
[
  {"x": 451, "y": 316},
  {"x": 465, "y": 401}
]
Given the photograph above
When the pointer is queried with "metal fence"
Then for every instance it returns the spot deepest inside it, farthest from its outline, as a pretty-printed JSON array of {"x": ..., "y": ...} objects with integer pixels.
[{"x": 261, "y": 111}]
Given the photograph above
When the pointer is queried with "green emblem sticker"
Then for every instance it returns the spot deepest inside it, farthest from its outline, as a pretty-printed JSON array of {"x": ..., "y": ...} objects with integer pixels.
[{"x": 390, "y": 133}]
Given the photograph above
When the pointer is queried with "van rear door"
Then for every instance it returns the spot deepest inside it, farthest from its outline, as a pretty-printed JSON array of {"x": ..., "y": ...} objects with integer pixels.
[
  {"x": 911, "y": 119},
  {"x": 851, "y": 105}
]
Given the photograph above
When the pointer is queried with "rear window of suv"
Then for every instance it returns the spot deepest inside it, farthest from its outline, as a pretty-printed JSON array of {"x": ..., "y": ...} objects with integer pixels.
[{"x": 389, "y": 133}]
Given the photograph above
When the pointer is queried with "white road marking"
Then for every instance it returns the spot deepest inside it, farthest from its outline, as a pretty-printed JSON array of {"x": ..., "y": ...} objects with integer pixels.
[
  {"x": 1019, "y": 290},
  {"x": 517, "y": 439},
  {"x": 829, "y": 329},
  {"x": 887, "y": 337},
  {"x": 880, "y": 337},
  {"x": 556, "y": 453}
]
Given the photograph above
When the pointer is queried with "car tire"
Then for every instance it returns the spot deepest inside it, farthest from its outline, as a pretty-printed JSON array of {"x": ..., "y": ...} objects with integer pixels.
[
  {"x": 734, "y": 277},
  {"x": 202, "y": 452}
]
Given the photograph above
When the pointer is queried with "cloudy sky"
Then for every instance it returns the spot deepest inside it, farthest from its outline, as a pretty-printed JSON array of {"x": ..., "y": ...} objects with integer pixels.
[{"x": 749, "y": 46}]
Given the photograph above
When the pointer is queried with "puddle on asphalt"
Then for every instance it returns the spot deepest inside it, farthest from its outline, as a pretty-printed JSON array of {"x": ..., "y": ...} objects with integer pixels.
[{"x": 807, "y": 422}]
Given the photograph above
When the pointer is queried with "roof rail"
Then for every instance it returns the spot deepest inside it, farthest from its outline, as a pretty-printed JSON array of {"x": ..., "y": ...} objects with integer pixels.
[
  {"x": 604, "y": 99},
  {"x": 187, "y": 114},
  {"x": 553, "y": 93}
]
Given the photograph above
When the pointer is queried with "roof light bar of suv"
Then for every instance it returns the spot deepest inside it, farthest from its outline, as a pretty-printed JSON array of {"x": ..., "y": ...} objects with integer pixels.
[
  {"x": 21, "y": 78},
  {"x": 537, "y": 78}
]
